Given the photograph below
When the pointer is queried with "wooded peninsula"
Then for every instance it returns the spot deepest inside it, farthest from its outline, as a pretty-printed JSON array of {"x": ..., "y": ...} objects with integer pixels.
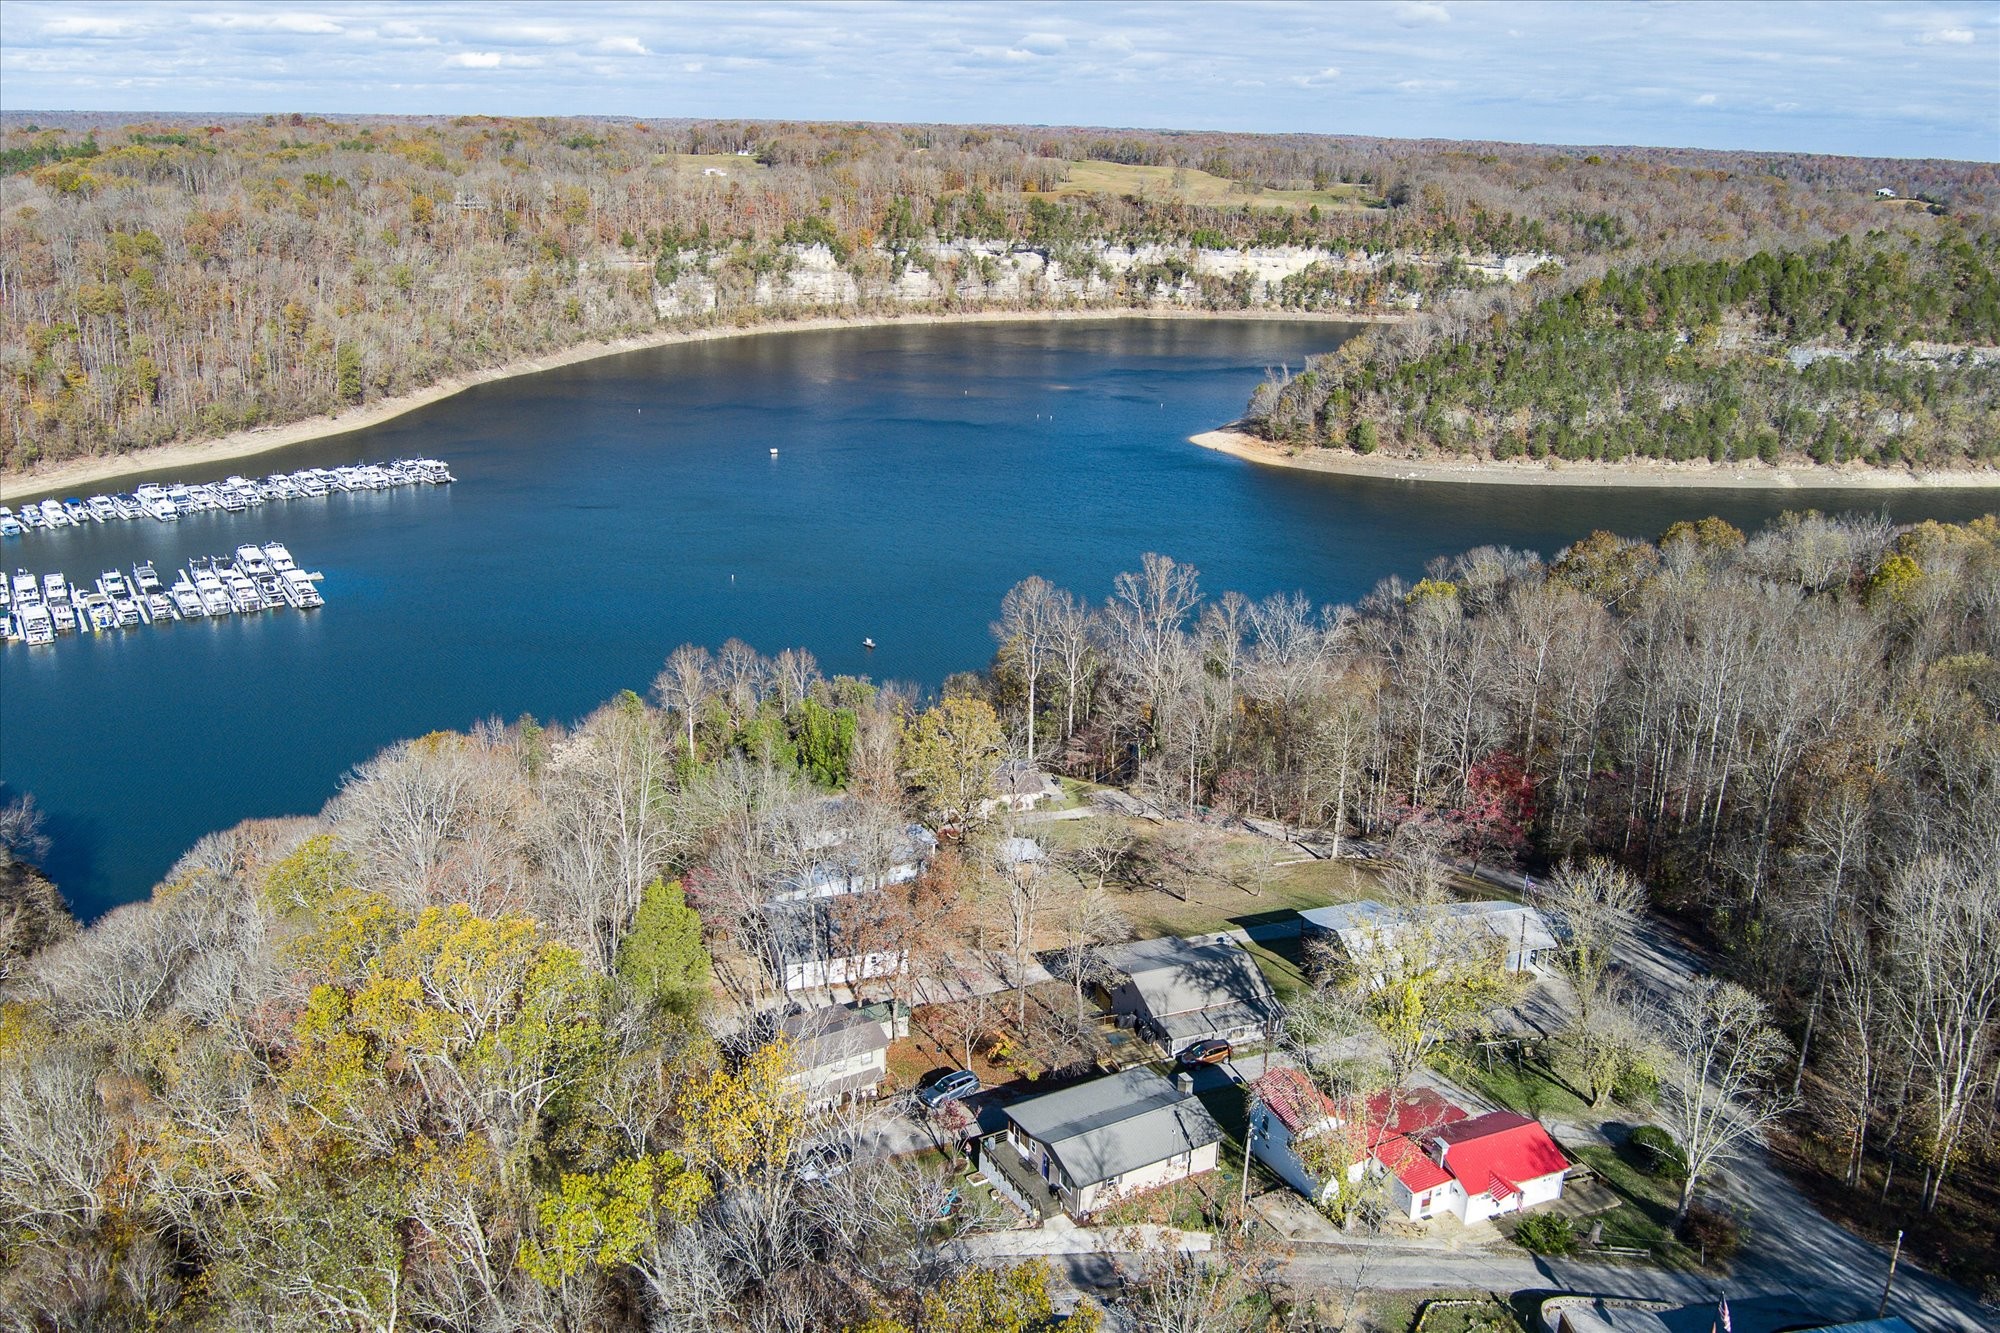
[{"x": 182, "y": 278}]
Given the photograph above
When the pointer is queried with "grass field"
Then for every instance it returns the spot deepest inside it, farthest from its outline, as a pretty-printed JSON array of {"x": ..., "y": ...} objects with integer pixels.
[
  {"x": 1645, "y": 1219},
  {"x": 1198, "y": 187},
  {"x": 692, "y": 164},
  {"x": 1525, "y": 1087},
  {"x": 1222, "y": 881}
]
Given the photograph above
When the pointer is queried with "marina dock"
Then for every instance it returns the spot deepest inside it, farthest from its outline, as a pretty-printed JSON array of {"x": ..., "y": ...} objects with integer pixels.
[
  {"x": 232, "y": 495},
  {"x": 39, "y": 609}
]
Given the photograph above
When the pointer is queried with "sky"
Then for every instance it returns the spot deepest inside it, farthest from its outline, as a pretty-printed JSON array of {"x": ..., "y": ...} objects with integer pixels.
[{"x": 1877, "y": 79}]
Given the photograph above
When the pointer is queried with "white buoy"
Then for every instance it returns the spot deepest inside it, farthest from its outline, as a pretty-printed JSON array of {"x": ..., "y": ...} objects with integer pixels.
[{"x": 774, "y": 453}]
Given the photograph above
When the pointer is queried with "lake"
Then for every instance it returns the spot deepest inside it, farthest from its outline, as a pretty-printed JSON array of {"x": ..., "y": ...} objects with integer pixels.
[{"x": 609, "y": 510}]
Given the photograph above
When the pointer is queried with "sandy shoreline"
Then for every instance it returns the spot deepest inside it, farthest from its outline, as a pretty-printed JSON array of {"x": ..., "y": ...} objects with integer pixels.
[
  {"x": 72, "y": 475},
  {"x": 1645, "y": 473}
]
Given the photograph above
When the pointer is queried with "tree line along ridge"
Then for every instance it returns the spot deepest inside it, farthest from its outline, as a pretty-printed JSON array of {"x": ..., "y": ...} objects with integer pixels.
[{"x": 185, "y": 277}]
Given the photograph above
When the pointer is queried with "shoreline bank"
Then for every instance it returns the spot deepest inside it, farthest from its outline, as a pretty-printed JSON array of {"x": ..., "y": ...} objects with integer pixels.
[
  {"x": 74, "y": 473},
  {"x": 1648, "y": 473}
]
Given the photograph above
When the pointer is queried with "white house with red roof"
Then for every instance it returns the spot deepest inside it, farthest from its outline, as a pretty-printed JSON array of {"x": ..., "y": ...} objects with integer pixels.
[
  {"x": 1499, "y": 1162},
  {"x": 1436, "y": 1159}
]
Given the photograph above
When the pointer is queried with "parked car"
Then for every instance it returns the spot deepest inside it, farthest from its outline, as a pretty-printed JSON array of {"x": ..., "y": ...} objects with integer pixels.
[
  {"x": 825, "y": 1161},
  {"x": 958, "y": 1083},
  {"x": 1208, "y": 1051}
]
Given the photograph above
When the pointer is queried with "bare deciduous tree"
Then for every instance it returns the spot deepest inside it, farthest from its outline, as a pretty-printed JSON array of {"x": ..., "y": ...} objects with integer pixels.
[{"x": 1719, "y": 1053}]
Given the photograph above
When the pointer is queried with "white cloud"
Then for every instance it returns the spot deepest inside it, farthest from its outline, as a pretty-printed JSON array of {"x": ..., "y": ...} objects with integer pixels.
[
  {"x": 475, "y": 60},
  {"x": 1427, "y": 85},
  {"x": 539, "y": 33},
  {"x": 1044, "y": 43},
  {"x": 304, "y": 24},
  {"x": 88, "y": 25},
  {"x": 1325, "y": 76},
  {"x": 1946, "y": 37},
  {"x": 1417, "y": 13},
  {"x": 623, "y": 46},
  {"x": 1706, "y": 99}
]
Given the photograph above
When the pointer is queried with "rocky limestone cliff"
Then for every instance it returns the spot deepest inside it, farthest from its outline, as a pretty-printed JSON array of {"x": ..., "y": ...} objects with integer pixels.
[{"x": 961, "y": 274}]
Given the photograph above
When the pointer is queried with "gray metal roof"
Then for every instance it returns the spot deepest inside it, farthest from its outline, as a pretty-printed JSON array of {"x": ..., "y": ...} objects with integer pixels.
[
  {"x": 1177, "y": 976},
  {"x": 1101, "y": 1129},
  {"x": 1362, "y": 924},
  {"x": 825, "y": 1036}
]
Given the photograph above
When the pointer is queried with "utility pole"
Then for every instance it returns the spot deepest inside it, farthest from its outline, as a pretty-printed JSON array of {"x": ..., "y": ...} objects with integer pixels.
[
  {"x": 1250, "y": 1124},
  {"x": 1890, "y": 1280},
  {"x": 1249, "y": 1139}
]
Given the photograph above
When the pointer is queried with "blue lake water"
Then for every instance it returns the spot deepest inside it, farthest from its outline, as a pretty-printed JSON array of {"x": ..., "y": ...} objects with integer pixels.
[{"x": 607, "y": 511}]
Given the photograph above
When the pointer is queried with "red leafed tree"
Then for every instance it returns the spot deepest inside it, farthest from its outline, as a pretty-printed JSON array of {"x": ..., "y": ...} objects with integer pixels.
[{"x": 1498, "y": 808}]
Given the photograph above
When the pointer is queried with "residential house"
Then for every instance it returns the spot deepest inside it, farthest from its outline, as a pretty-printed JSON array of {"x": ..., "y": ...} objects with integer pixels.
[
  {"x": 1019, "y": 852},
  {"x": 1366, "y": 926},
  {"x": 1290, "y": 1110},
  {"x": 1500, "y": 1162},
  {"x": 1018, "y": 786},
  {"x": 1434, "y": 1157},
  {"x": 820, "y": 943},
  {"x": 839, "y": 1053},
  {"x": 1182, "y": 991},
  {"x": 845, "y": 863},
  {"x": 1885, "y": 193},
  {"x": 1086, "y": 1146}
]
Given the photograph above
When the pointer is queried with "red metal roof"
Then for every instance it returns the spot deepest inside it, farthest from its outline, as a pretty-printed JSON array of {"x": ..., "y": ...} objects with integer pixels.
[
  {"x": 1493, "y": 1153},
  {"x": 1417, "y": 1111},
  {"x": 1407, "y": 1161},
  {"x": 1292, "y": 1097}
]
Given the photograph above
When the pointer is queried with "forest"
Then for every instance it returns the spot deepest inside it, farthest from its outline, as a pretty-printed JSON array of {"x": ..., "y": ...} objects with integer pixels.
[
  {"x": 179, "y": 278},
  {"x": 1878, "y": 350},
  {"x": 457, "y": 1052}
]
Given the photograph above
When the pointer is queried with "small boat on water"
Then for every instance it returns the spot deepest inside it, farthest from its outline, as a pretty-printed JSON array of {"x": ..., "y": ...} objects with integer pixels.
[
  {"x": 208, "y": 586},
  {"x": 37, "y": 625},
  {"x": 56, "y": 596},
  {"x": 124, "y": 607},
  {"x": 187, "y": 602},
  {"x": 299, "y": 590},
  {"x": 869, "y": 644}
]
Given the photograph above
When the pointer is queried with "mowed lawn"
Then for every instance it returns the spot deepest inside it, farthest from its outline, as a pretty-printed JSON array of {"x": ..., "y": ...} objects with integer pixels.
[
  {"x": 694, "y": 163},
  {"x": 1198, "y": 187},
  {"x": 1244, "y": 880}
]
